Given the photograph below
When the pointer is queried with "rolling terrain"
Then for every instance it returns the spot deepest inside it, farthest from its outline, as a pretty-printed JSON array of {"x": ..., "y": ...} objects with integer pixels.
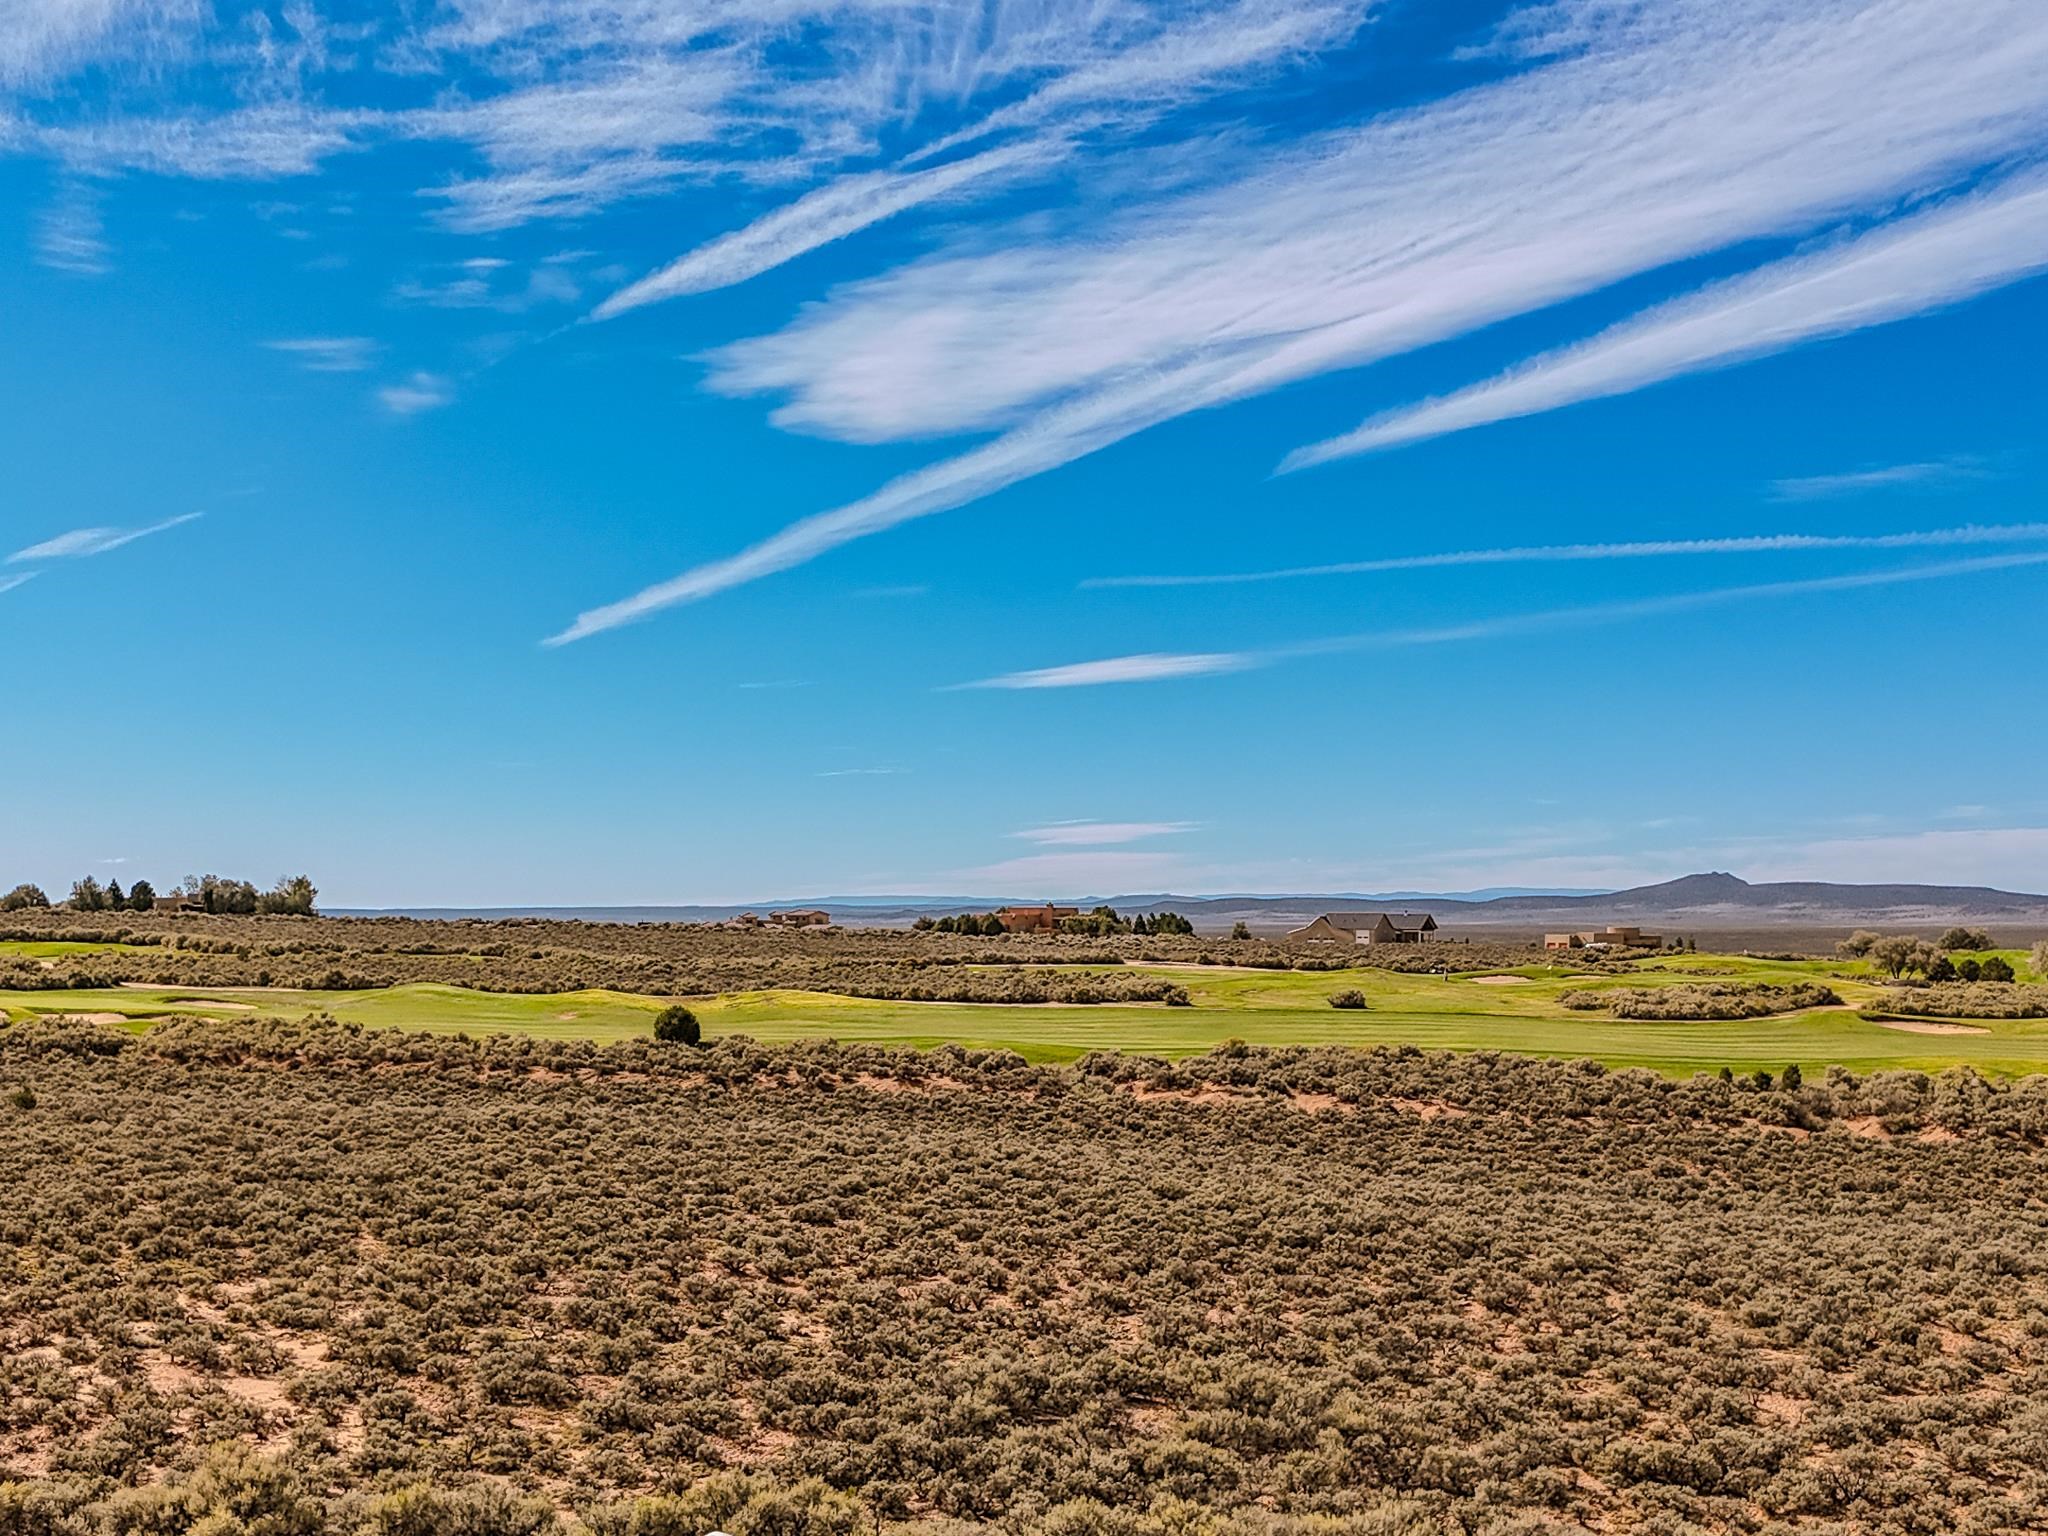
[{"x": 1515, "y": 1010}]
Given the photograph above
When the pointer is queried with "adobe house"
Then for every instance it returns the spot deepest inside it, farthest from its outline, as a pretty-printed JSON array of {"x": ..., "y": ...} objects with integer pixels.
[
  {"x": 1605, "y": 938},
  {"x": 1623, "y": 938},
  {"x": 812, "y": 917},
  {"x": 1045, "y": 919},
  {"x": 1368, "y": 928}
]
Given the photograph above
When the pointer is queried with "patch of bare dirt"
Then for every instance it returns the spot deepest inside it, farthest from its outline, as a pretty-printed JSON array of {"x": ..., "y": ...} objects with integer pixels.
[
  {"x": 1206, "y": 1094},
  {"x": 1430, "y": 1109}
]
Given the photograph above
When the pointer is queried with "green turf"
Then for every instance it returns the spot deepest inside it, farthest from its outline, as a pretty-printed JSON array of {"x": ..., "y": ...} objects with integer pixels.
[
  {"x": 49, "y": 949},
  {"x": 1457, "y": 1012}
]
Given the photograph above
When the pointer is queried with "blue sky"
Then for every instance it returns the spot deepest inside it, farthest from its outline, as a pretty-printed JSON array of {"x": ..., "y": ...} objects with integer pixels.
[{"x": 531, "y": 451}]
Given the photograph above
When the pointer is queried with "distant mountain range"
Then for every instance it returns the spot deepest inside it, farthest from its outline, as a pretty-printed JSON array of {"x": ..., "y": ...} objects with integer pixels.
[
  {"x": 1707, "y": 901},
  {"x": 1714, "y": 900}
]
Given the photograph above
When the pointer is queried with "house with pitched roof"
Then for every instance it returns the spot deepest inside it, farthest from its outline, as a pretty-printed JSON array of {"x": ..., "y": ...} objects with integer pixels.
[{"x": 1368, "y": 928}]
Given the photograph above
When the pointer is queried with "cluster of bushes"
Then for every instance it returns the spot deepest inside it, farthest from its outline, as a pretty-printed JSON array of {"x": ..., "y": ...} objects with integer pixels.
[
  {"x": 1702, "y": 1000},
  {"x": 1961, "y": 1000},
  {"x": 493, "y": 1288},
  {"x": 237, "y": 1492},
  {"x": 979, "y": 923},
  {"x": 1015, "y": 984}
]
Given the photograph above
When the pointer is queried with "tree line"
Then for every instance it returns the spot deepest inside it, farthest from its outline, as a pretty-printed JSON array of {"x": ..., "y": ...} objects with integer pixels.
[
  {"x": 1098, "y": 923},
  {"x": 1905, "y": 954},
  {"x": 292, "y": 896}
]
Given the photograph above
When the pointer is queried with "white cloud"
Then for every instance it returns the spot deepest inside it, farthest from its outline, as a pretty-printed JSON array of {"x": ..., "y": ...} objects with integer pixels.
[
  {"x": 254, "y": 143},
  {"x": 82, "y": 542},
  {"x": 1149, "y": 667},
  {"x": 1153, "y": 668},
  {"x": 70, "y": 236},
  {"x": 1748, "y": 544},
  {"x": 9, "y": 583},
  {"x": 1662, "y": 138},
  {"x": 861, "y": 773},
  {"x": 1949, "y": 253},
  {"x": 328, "y": 354},
  {"x": 832, "y": 212},
  {"x": 40, "y": 40},
  {"x": 1935, "y": 472},
  {"x": 1073, "y": 874},
  {"x": 1194, "y": 55},
  {"x": 420, "y": 392},
  {"x": 1098, "y": 834},
  {"x": 476, "y": 284},
  {"x": 907, "y": 589},
  {"x": 2012, "y": 858}
]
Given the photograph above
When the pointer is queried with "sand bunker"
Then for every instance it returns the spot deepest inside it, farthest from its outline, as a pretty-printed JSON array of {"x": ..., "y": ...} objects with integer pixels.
[
  {"x": 217, "y": 1004},
  {"x": 1500, "y": 981},
  {"x": 93, "y": 1018},
  {"x": 1929, "y": 1027}
]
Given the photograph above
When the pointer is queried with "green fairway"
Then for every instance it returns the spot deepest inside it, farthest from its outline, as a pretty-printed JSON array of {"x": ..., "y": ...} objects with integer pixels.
[
  {"x": 1506, "y": 1011},
  {"x": 49, "y": 949}
]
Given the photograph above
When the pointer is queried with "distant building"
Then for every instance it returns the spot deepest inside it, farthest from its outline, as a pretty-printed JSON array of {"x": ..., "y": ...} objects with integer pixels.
[
  {"x": 1045, "y": 919},
  {"x": 1605, "y": 938},
  {"x": 811, "y": 917},
  {"x": 1368, "y": 928}
]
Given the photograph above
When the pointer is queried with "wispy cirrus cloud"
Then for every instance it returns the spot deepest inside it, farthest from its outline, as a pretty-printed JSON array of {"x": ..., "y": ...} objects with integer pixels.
[
  {"x": 1139, "y": 81},
  {"x": 861, "y": 773},
  {"x": 70, "y": 236},
  {"x": 1154, "y": 667},
  {"x": 9, "y": 583},
  {"x": 1146, "y": 667},
  {"x": 1927, "y": 474},
  {"x": 831, "y": 212},
  {"x": 1640, "y": 549},
  {"x": 1639, "y": 139},
  {"x": 80, "y": 543},
  {"x": 1099, "y": 834},
  {"x": 1949, "y": 253},
  {"x": 42, "y": 39},
  {"x": 419, "y": 392},
  {"x": 328, "y": 354},
  {"x": 1103, "y": 872}
]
